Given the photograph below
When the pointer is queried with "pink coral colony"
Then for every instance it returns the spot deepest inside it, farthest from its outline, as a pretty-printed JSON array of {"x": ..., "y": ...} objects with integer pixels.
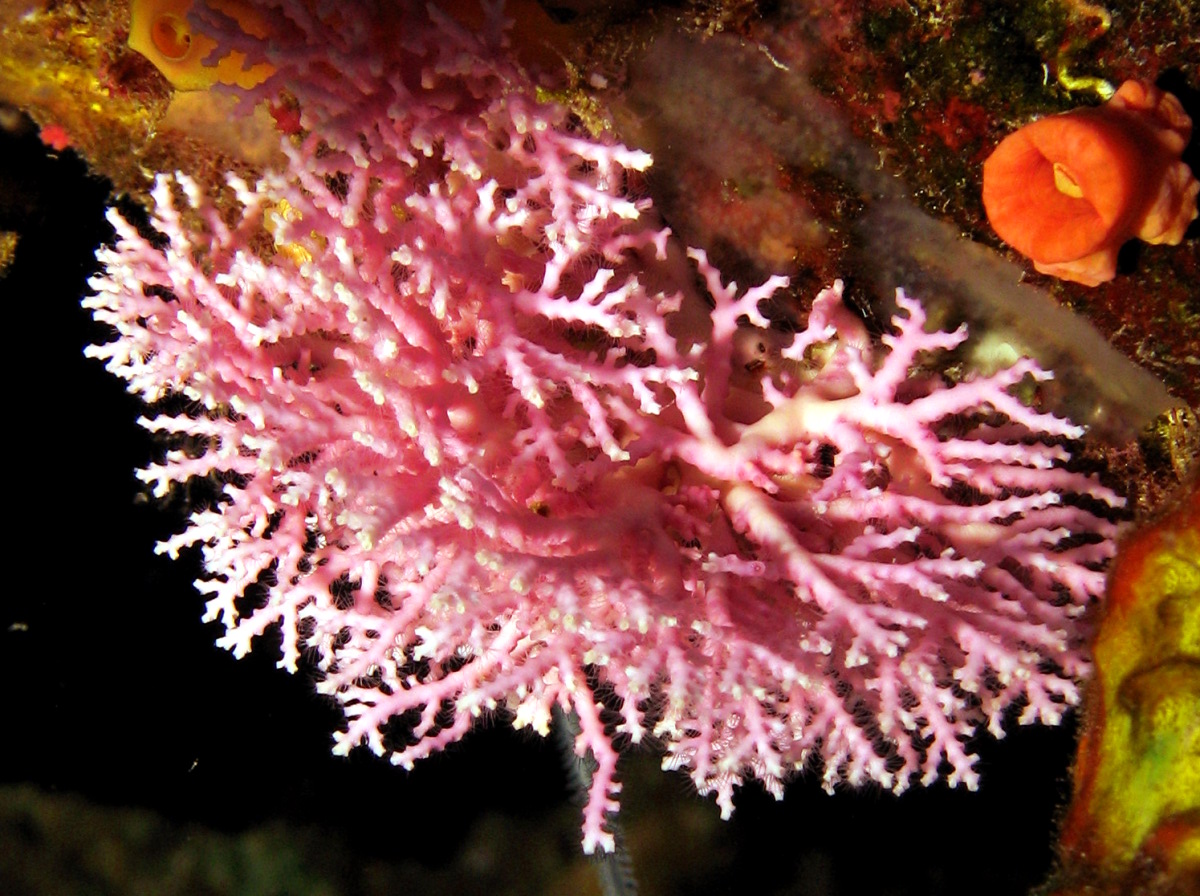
[
  {"x": 1069, "y": 190},
  {"x": 485, "y": 452}
]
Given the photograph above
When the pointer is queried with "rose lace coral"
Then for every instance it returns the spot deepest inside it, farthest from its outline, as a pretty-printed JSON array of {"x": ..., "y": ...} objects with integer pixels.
[{"x": 484, "y": 453}]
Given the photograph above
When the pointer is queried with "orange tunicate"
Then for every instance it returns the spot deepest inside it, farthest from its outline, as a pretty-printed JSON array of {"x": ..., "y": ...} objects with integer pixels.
[
  {"x": 1069, "y": 190},
  {"x": 160, "y": 31}
]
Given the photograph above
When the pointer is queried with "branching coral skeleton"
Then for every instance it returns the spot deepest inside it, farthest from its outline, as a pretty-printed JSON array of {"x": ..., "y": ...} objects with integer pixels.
[{"x": 475, "y": 462}]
